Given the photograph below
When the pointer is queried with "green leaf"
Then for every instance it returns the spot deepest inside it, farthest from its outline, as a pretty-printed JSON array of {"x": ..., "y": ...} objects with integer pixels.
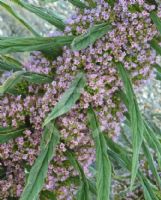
[
  {"x": 13, "y": 44},
  {"x": 91, "y": 3},
  {"x": 118, "y": 149},
  {"x": 103, "y": 165},
  {"x": 92, "y": 34},
  {"x": 43, "y": 13},
  {"x": 153, "y": 141},
  {"x": 68, "y": 99},
  {"x": 39, "y": 170},
  {"x": 83, "y": 193},
  {"x": 9, "y": 64},
  {"x": 149, "y": 193},
  {"x": 149, "y": 135},
  {"x": 47, "y": 195},
  {"x": 92, "y": 187},
  {"x": 158, "y": 72},
  {"x": 155, "y": 45},
  {"x": 36, "y": 78},
  {"x": 158, "y": 67},
  {"x": 152, "y": 166},
  {"x": 78, "y": 4},
  {"x": 120, "y": 155},
  {"x": 10, "y": 133},
  {"x": 111, "y": 2},
  {"x": 18, "y": 76},
  {"x": 153, "y": 2},
  {"x": 156, "y": 20},
  {"x": 19, "y": 18},
  {"x": 11, "y": 82},
  {"x": 136, "y": 120}
]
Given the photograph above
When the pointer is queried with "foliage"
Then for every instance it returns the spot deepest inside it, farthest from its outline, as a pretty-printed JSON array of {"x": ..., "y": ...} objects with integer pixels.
[{"x": 61, "y": 101}]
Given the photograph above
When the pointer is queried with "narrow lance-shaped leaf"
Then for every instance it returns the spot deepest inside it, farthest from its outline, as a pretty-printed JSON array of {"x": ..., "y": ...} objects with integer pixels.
[
  {"x": 111, "y": 2},
  {"x": 14, "y": 44},
  {"x": 149, "y": 135},
  {"x": 19, "y": 18},
  {"x": 43, "y": 13},
  {"x": 9, "y": 64},
  {"x": 136, "y": 121},
  {"x": 154, "y": 2},
  {"x": 37, "y": 78},
  {"x": 78, "y": 4},
  {"x": 120, "y": 155},
  {"x": 47, "y": 195},
  {"x": 156, "y": 20},
  {"x": 68, "y": 99},
  {"x": 149, "y": 193},
  {"x": 39, "y": 170},
  {"x": 153, "y": 141},
  {"x": 91, "y": 3},
  {"x": 92, "y": 34},
  {"x": 11, "y": 82},
  {"x": 10, "y": 133},
  {"x": 151, "y": 164},
  {"x": 83, "y": 193},
  {"x": 18, "y": 76},
  {"x": 155, "y": 45},
  {"x": 103, "y": 165},
  {"x": 158, "y": 73}
]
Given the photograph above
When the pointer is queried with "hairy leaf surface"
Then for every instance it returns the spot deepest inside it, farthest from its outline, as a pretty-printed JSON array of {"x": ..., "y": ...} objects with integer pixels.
[
  {"x": 68, "y": 99},
  {"x": 137, "y": 124},
  {"x": 10, "y": 133},
  {"x": 9, "y": 64},
  {"x": 92, "y": 34},
  {"x": 18, "y": 17},
  {"x": 18, "y": 76},
  {"x": 103, "y": 165},
  {"x": 78, "y": 4},
  {"x": 43, "y": 13},
  {"x": 156, "y": 20},
  {"x": 83, "y": 193},
  {"x": 14, "y": 44},
  {"x": 39, "y": 170}
]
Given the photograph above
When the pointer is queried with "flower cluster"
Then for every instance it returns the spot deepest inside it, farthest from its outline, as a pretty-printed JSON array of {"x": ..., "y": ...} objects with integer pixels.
[{"x": 128, "y": 43}]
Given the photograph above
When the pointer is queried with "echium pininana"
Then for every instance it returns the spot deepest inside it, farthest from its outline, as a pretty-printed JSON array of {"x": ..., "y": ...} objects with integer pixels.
[{"x": 127, "y": 42}]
